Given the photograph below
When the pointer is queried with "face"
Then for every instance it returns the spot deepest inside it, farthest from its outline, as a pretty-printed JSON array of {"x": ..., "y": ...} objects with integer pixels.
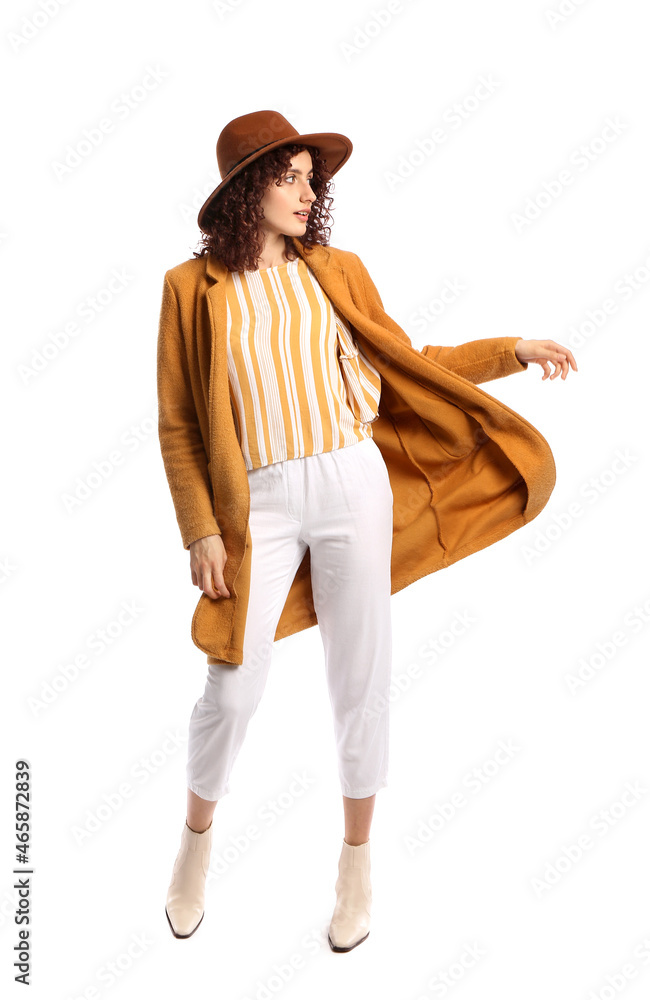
[{"x": 293, "y": 194}]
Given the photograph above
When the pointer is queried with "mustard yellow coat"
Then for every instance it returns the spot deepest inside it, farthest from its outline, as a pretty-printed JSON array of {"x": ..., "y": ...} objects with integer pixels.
[{"x": 465, "y": 469}]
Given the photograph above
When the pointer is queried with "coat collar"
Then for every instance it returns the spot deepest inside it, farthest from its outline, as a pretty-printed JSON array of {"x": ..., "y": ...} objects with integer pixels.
[{"x": 321, "y": 259}]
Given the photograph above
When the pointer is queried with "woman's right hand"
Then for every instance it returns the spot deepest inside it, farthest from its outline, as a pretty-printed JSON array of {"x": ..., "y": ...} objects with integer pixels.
[{"x": 207, "y": 560}]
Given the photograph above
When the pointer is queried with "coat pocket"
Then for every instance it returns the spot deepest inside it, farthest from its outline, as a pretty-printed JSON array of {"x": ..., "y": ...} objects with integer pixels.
[{"x": 361, "y": 378}]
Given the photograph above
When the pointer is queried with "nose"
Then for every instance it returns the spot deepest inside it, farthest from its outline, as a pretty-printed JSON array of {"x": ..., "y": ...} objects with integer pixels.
[{"x": 308, "y": 194}]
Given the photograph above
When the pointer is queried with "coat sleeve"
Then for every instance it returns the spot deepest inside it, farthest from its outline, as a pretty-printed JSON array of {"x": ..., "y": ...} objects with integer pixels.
[
  {"x": 477, "y": 360},
  {"x": 181, "y": 443}
]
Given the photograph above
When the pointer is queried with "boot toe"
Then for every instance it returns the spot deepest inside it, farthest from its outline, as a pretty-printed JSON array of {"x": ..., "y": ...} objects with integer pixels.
[
  {"x": 183, "y": 922},
  {"x": 340, "y": 943}
]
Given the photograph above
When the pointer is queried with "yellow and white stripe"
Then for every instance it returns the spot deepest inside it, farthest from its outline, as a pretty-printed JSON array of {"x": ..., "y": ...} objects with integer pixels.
[{"x": 299, "y": 384}]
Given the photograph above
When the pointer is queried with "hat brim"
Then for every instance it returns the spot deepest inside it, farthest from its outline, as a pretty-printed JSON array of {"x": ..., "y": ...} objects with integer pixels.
[{"x": 335, "y": 149}]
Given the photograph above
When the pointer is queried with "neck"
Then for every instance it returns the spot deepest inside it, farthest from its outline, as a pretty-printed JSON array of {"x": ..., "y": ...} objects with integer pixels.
[{"x": 274, "y": 251}]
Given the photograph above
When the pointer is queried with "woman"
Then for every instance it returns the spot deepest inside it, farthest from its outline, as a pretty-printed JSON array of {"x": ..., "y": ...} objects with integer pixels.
[{"x": 316, "y": 541}]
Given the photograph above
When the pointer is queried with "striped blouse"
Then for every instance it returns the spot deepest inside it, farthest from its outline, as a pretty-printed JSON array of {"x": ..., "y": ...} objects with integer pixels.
[{"x": 299, "y": 383}]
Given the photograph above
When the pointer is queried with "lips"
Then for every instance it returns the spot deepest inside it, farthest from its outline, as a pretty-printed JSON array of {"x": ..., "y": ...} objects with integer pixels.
[{"x": 302, "y": 215}]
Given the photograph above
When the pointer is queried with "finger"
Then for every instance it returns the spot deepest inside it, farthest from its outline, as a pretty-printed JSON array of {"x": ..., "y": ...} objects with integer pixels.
[
  {"x": 565, "y": 362},
  {"x": 217, "y": 577},
  {"x": 565, "y": 353},
  {"x": 572, "y": 360},
  {"x": 561, "y": 364},
  {"x": 208, "y": 586},
  {"x": 219, "y": 584},
  {"x": 202, "y": 578}
]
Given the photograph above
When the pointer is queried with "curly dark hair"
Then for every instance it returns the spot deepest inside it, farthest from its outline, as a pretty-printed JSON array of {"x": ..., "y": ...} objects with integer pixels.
[{"x": 233, "y": 232}]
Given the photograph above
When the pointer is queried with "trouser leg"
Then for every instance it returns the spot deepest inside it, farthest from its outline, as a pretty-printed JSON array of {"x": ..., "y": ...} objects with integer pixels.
[
  {"x": 220, "y": 718},
  {"x": 349, "y": 529}
]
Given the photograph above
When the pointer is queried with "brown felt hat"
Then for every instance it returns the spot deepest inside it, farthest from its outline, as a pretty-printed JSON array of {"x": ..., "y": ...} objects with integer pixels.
[{"x": 246, "y": 138}]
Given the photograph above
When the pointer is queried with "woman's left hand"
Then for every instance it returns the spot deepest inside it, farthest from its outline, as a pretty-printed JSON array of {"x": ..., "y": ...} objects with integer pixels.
[{"x": 543, "y": 351}]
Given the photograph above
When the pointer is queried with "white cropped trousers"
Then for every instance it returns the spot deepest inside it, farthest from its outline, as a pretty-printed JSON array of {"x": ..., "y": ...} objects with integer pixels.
[{"x": 340, "y": 505}]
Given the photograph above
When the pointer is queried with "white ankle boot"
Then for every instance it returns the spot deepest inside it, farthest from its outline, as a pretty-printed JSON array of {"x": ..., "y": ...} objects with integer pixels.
[
  {"x": 351, "y": 920},
  {"x": 186, "y": 893}
]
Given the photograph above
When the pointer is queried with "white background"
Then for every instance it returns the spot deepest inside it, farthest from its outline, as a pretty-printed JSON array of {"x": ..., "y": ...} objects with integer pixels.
[{"x": 546, "y": 601}]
